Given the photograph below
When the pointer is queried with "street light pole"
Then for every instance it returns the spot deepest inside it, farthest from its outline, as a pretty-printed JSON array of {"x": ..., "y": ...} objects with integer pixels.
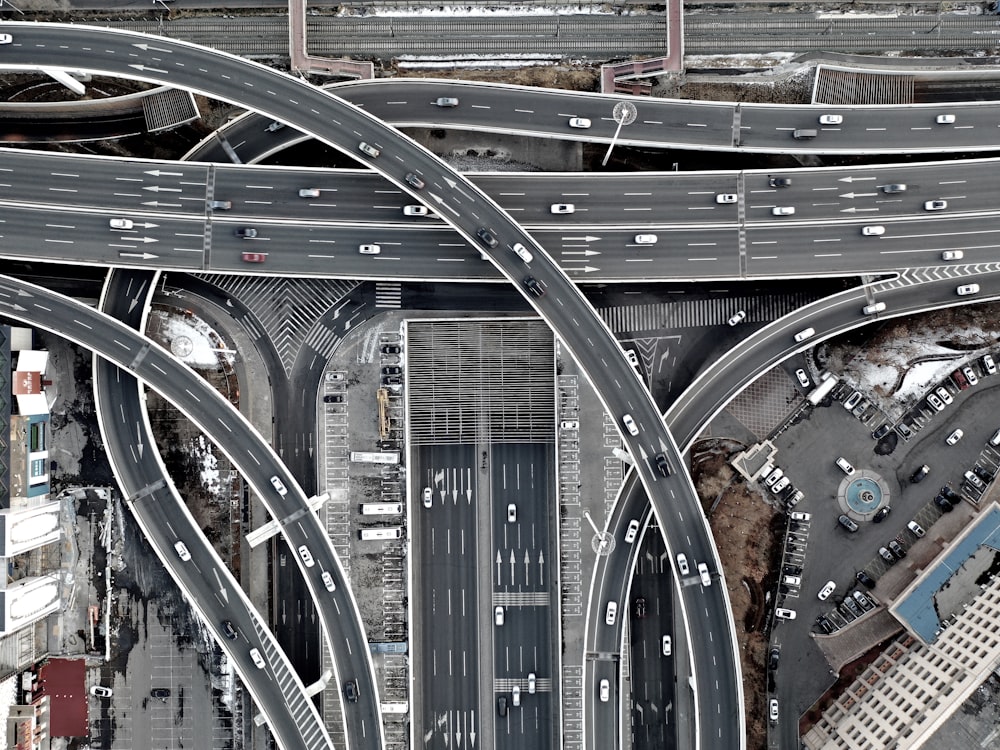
[{"x": 624, "y": 114}]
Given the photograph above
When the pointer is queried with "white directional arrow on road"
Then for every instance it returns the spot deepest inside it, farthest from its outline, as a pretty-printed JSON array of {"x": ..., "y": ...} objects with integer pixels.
[
  {"x": 454, "y": 186},
  {"x": 222, "y": 589},
  {"x": 853, "y": 210},
  {"x": 527, "y": 568},
  {"x": 587, "y": 238},
  {"x": 140, "y": 256},
  {"x": 512, "y": 562},
  {"x": 158, "y": 189},
  {"x": 161, "y": 173},
  {"x": 585, "y": 253},
  {"x": 147, "y": 47},
  {"x": 541, "y": 567},
  {"x": 857, "y": 195},
  {"x": 499, "y": 563},
  {"x": 857, "y": 179},
  {"x": 157, "y": 204},
  {"x": 472, "y": 729},
  {"x": 140, "y": 66},
  {"x": 585, "y": 269}
]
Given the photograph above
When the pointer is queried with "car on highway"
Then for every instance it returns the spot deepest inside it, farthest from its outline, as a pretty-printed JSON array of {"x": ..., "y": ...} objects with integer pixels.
[
  {"x": 579, "y": 122},
  {"x": 640, "y": 607},
  {"x": 803, "y": 335},
  {"x": 667, "y": 646},
  {"x": 737, "y": 317},
  {"x": 865, "y": 580},
  {"x": 967, "y": 289},
  {"x": 662, "y": 464},
  {"x": 645, "y": 239},
  {"x": 881, "y": 514},
  {"x": 827, "y": 589},
  {"x": 417, "y": 210},
  {"x": 783, "y": 210},
  {"x": 253, "y": 257},
  {"x": 894, "y": 188},
  {"x": 351, "y": 691},
  {"x": 229, "y": 630},
  {"x": 945, "y": 119},
  {"x": 223, "y": 205},
  {"x": 246, "y": 233},
  {"x": 121, "y": 223},
  {"x": 498, "y": 615},
  {"x": 944, "y": 395},
  {"x": 369, "y": 249},
  {"x": 487, "y": 237},
  {"x": 96, "y": 690},
  {"x": 630, "y": 425},
  {"x": 309, "y": 192},
  {"x": 534, "y": 286},
  {"x": 562, "y": 208},
  {"x": 845, "y": 465},
  {"x": 511, "y": 513},
  {"x": 306, "y": 556},
  {"x": 682, "y": 564},
  {"x": 515, "y": 696},
  {"x": 445, "y": 101},
  {"x": 935, "y": 205},
  {"x": 604, "y": 690},
  {"x": 274, "y": 127},
  {"x": 631, "y": 531},
  {"x": 428, "y": 497},
  {"x": 502, "y": 705},
  {"x": 779, "y": 182},
  {"x": 873, "y": 230},
  {"x": 726, "y": 198},
  {"x": 935, "y": 402},
  {"x": 182, "y": 551},
  {"x": 414, "y": 181},
  {"x": 830, "y": 119},
  {"x": 6, "y": 39},
  {"x": 847, "y": 522},
  {"x": 611, "y": 613},
  {"x": 532, "y": 683},
  {"x": 803, "y": 379},
  {"x": 369, "y": 150},
  {"x": 279, "y": 486},
  {"x": 784, "y": 614},
  {"x": 706, "y": 578},
  {"x": 328, "y": 581},
  {"x": 522, "y": 252},
  {"x": 952, "y": 255},
  {"x": 954, "y": 437}
]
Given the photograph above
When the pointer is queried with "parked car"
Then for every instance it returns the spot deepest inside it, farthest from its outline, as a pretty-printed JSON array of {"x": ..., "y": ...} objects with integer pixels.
[
  {"x": 865, "y": 580},
  {"x": 944, "y": 395},
  {"x": 954, "y": 437},
  {"x": 988, "y": 364},
  {"x": 943, "y": 503},
  {"x": 920, "y": 473},
  {"x": 897, "y": 549},
  {"x": 881, "y": 514},
  {"x": 100, "y": 691},
  {"x": 847, "y": 522},
  {"x": 827, "y": 589},
  {"x": 935, "y": 402},
  {"x": 887, "y": 555},
  {"x": 882, "y": 431}
]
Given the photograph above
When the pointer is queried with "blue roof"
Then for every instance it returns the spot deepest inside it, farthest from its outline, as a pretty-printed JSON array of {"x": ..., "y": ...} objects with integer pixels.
[{"x": 917, "y": 609}]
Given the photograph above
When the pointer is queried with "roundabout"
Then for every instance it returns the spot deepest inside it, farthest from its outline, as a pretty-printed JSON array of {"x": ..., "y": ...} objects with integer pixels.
[{"x": 862, "y": 494}]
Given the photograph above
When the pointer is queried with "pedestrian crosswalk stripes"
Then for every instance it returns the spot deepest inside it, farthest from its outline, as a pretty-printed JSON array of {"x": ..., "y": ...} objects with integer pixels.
[
  {"x": 696, "y": 313},
  {"x": 388, "y": 294},
  {"x": 521, "y": 599}
]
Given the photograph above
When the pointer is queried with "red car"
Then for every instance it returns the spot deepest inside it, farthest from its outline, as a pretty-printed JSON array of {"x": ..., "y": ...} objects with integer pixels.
[{"x": 253, "y": 257}]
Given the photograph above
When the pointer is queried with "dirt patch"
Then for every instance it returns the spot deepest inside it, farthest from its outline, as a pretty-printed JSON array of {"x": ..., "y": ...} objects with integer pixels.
[
  {"x": 747, "y": 533},
  {"x": 549, "y": 76}
]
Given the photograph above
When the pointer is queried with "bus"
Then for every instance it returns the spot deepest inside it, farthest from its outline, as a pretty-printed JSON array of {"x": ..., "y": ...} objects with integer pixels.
[
  {"x": 380, "y": 533},
  {"x": 381, "y": 509}
]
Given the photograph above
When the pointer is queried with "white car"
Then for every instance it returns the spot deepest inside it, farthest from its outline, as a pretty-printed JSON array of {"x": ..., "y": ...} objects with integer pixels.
[
  {"x": 579, "y": 122},
  {"x": 630, "y": 425},
  {"x": 945, "y": 119},
  {"x": 783, "y": 210},
  {"x": 971, "y": 376},
  {"x": 784, "y": 614},
  {"x": 611, "y": 613},
  {"x": 511, "y": 513},
  {"x": 522, "y": 252},
  {"x": 874, "y": 230},
  {"x": 445, "y": 101},
  {"x": 532, "y": 683},
  {"x": 631, "y": 531},
  {"x": 667, "y": 646},
  {"x": 943, "y": 394},
  {"x": 830, "y": 119},
  {"x": 825, "y": 592},
  {"x": 645, "y": 239},
  {"x": 706, "y": 579},
  {"x": 97, "y": 690},
  {"x": 428, "y": 496},
  {"x": 803, "y": 379},
  {"x": 967, "y": 289},
  {"x": 368, "y": 150},
  {"x": 258, "y": 660},
  {"x": 569, "y": 424},
  {"x": 515, "y": 695},
  {"x": 498, "y": 616},
  {"x": 605, "y": 691},
  {"x": 633, "y": 360},
  {"x": 726, "y": 198},
  {"x": 937, "y": 205},
  {"x": 773, "y": 477},
  {"x": 954, "y": 437},
  {"x": 845, "y": 466},
  {"x": 989, "y": 364},
  {"x": 369, "y": 249},
  {"x": 934, "y": 401},
  {"x": 279, "y": 486},
  {"x": 182, "y": 551},
  {"x": 306, "y": 556},
  {"x": 562, "y": 208},
  {"x": 6, "y": 39},
  {"x": 803, "y": 335},
  {"x": 328, "y": 581},
  {"x": 737, "y": 318},
  {"x": 780, "y": 485},
  {"x": 121, "y": 223},
  {"x": 952, "y": 255},
  {"x": 772, "y": 710},
  {"x": 309, "y": 193},
  {"x": 682, "y": 565},
  {"x": 417, "y": 211}
]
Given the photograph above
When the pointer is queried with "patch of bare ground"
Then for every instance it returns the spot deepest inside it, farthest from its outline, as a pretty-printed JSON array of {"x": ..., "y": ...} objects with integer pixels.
[
  {"x": 548, "y": 76},
  {"x": 793, "y": 90},
  {"x": 747, "y": 533}
]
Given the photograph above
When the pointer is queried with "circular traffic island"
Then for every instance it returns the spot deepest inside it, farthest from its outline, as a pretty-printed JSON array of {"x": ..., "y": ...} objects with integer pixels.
[{"x": 862, "y": 494}]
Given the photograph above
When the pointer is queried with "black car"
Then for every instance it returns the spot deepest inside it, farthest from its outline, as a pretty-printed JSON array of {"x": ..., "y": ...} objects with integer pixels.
[
  {"x": 949, "y": 493},
  {"x": 502, "y": 705},
  {"x": 229, "y": 630},
  {"x": 982, "y": 473},
  {"x": 943, "y": 503},
  {"x": 487, "y": 237},
  {"x": 640, "y": 607},
  {"x": 534, "y": 286},
  {"x": 391, "y": 349},
  {"x": 391, "y": 380},
  {"x": 772, "y": 662},
  {"x": 351, "y": 691},
  {"x": 882, "y": 514},
  {"x": 897, "y": 549},
  {"x": 392, "y": 370},
  {"x": 782, "y": 182},
  {"x": 247, "y": 233},
  {"x": 161, "y": 693},
  {"x": 920, "y": 473},
  {"x": 792, "y": 570},
  {"x": 332, "y": 398},
  {"x": 882, "y": 431},
  {"x": 413, "y": 181},
  {"x": 865, "y": 580},
  {"x": 662, "y": 464}
]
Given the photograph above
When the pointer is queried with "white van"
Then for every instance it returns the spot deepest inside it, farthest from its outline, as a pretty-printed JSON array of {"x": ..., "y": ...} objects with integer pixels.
[
  {"x": 803, "y": 335},
  {"x": 872, "y": 309}
]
